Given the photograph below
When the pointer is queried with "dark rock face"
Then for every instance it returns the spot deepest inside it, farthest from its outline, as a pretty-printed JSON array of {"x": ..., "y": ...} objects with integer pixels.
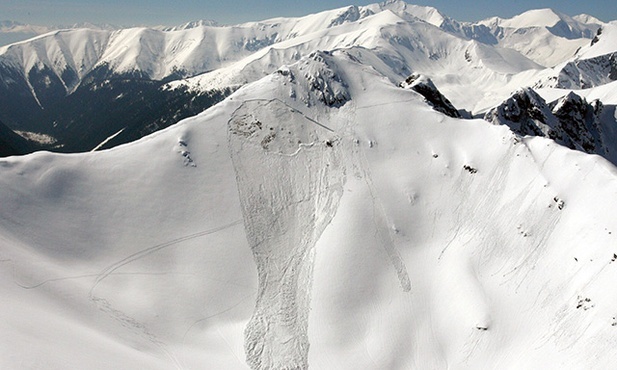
[
  {"x": 11, "y": 143},
  {"x": 101, "y": 104},
  {"x": 596, "y": 38},
  {"x": 579, "y": 123},
  {"x": 425, "y": 87},
  {"x": 525, "y": 112},
  {"x": 570, "y": 121}
]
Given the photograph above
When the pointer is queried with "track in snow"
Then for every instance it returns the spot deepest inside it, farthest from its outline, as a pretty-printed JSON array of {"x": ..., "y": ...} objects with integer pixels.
[{"x": 290, "y": 178}]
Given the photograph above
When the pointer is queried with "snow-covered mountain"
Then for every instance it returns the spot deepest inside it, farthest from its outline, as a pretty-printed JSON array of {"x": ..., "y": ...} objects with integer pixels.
[
  {"x": 334, "y": 207},
  {"x": 12, "y": 31},
  {"x": 476, "y": 65},
  {"x": 544, "y": 35},
  {"x": 363, "y": 230}
]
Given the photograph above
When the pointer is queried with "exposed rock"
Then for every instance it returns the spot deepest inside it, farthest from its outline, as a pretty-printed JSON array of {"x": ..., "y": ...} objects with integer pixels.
[
  {"x": 314, "y": 80},
  {"x": 525, "y": 112},
  {"x": 425, "y": 87},
  {"x": 579, "y": 124},
  {"x": 570, "y": 121}
]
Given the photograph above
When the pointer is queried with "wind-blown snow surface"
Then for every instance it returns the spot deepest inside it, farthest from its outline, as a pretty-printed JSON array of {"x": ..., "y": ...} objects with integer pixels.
[{"x": 407, "y": 239}]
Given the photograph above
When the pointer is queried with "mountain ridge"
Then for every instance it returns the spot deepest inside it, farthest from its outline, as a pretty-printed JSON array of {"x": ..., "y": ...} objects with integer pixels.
[{"x": 188, "y": 68}]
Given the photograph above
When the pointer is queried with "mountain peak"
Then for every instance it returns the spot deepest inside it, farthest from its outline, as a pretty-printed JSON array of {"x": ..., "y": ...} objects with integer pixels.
[
  {"x": 525, "y": 112},
  {"x": 545, "y": 17},
  {"x": 310, "y": 211},
  {"x": 192, "y": 24},
  {"x": 588, "y": 19},
  {"x": 570, "y": 121}
]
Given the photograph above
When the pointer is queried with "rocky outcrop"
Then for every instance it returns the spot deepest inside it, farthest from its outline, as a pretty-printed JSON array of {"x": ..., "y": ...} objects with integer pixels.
[
  {"x": 316, "y": 80},
  {"x": 570, "y": 121},
  {"x": 525, "y": 112},
  {"x": 579, "y": 123},
  {"x": 425, "y": 87}
]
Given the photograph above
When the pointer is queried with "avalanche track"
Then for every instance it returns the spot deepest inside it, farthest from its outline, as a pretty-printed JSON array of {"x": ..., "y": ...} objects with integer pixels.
[{"x": 290, "y": 180}]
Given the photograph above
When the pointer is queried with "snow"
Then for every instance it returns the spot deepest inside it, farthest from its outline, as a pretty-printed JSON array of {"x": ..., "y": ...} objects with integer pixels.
[
  {"x": 533, "y": 18},
  {"x": 320, "y": 216},
  {"x": 393, "y": 47},
  {"x": 411, "y": 238},
  {"x": 36, "y": 137},
  {"x": 606, "y": 93},
  {"x": 586, "y": 18},
  {"x": 107, "y": 140},
  {"x": 605, "y": 44},
  {"x": 543, "y": 35}
]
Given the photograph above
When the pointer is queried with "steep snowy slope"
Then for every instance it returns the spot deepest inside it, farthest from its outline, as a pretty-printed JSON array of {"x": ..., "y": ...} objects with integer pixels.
[
  {"x": 543, "y": 35},
  {"x": 47, "y": 82},
  {"x": 603, "y": 42},
  {"x": 321, "y": 215}
]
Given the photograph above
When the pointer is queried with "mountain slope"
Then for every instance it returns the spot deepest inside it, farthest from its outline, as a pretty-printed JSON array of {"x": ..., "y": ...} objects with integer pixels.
[
  {"x": 543, "y": 35},
  {"x": 406, "y": 237},
  {"x": 45, "y": 80},
  {"x": 12, "y": 144}
]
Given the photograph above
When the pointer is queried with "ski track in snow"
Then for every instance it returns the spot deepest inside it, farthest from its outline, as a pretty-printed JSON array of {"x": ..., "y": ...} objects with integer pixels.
[
  {"x": 145, "y": 252},
  {"x": 136, "y": 327},
  {"x": 120, "y": 316},
  {"x": 85, "y": 276}
]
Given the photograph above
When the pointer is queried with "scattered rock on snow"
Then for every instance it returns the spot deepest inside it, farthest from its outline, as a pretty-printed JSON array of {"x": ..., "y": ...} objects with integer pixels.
[
  {"x": 560, "y": 202},
  {"x": 470, "y": 169},
  {"x": 182, "y": 149}
]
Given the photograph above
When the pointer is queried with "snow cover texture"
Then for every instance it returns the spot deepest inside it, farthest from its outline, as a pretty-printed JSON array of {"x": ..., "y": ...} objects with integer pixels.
[{"x": 290, "y": 179}]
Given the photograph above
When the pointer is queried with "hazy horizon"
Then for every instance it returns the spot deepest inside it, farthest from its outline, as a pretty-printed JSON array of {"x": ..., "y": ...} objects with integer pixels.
[{"x": 158, "y": 12}]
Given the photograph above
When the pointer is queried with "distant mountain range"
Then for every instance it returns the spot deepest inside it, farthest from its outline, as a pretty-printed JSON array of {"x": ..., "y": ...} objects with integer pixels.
[
  {"x": 13, "y": 31},
  {"x": 92, "y": 84}
]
